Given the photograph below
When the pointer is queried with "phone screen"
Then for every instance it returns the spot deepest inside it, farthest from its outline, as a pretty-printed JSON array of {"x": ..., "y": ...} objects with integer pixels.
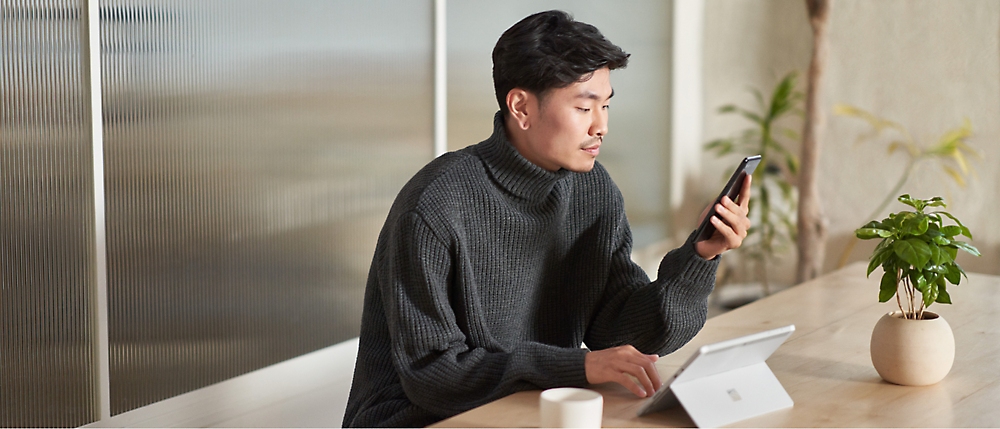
[{"x": 732, "y": 189}]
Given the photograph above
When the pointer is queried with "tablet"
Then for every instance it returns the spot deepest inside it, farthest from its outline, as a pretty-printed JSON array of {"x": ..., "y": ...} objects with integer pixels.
[
  {"x": 725, "y": 357},
  {"x": 732, "y": 189}
]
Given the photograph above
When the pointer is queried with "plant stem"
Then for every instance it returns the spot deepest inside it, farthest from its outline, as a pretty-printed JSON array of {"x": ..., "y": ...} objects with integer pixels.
[
  {"x": 898, "y": 301},
  {"x": 909, "y": 296},
  {"x": 909, "y": 300}
]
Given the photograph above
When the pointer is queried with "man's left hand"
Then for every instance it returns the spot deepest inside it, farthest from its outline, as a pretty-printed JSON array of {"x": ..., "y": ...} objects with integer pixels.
[{"x": 731, "y": 229}]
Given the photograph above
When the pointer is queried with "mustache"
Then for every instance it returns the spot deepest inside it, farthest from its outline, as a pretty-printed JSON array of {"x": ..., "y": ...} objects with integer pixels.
[{"x": 592, "y": 142}]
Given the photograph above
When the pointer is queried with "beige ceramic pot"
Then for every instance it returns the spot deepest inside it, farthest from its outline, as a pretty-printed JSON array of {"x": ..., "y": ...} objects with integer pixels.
[{"x": 912, "y": 352}]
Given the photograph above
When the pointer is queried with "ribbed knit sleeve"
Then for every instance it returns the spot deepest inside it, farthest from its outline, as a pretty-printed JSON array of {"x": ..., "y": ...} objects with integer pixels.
[
  {"x": 437, "y": 368},
  {"x": 654, "y": 317}
]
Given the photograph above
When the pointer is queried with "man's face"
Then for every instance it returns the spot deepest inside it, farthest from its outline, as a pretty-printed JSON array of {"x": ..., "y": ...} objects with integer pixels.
[{"x": 569, "y": 125}]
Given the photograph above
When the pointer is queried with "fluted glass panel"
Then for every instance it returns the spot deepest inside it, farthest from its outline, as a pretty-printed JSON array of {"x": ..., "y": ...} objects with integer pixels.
[
  {"x": 46, "y": 218},
  {"x": 252, "y": 151}
]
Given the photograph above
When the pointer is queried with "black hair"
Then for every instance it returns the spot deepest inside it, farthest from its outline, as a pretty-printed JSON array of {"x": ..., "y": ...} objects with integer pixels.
[{"x": 550, "y": 50}]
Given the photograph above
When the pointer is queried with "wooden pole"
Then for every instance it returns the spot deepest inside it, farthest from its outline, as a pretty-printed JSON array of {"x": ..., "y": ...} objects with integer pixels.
[{"x": 812, "y": 223}]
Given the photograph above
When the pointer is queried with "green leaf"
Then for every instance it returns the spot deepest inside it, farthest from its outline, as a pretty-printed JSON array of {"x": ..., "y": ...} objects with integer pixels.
[
  {"x": 904, "y": 222},
  {"x": 930, "y": 294},
  {"x": 783, "y": 95},
  {"x": 884, "y": 244},
  {"x": 965, "y": 231},
  {"x": 936, "y": 270},
  {"x": 952, "y": 252},
  {"x": 933, "y": 279},
  {"x": 887, "y": 288},
  {"x": 729, "y": 108},
  {"x": 890, "y": 222},
  {"x": 931, "y": 233},
  {"x": 924, "y": 225},
  {"x": 954, "y": 274},
  {"x": 720, "y": 146},
  {"x": 912, "y": 202},
  {"x": 935, "y": 202},
  {"x": 869, "y": 233},
  {"x": 931, "y": 290},
  {"x": 945, "y": 256},
  {"x": 951, "y": 230},
  {"x": 878, "y": 257},
  {"x": 943, "y": 296},
  {"x": 938, "y": 257},
  {"x": 759, "y": 97},
  {"x": 935, "y": 220},
  {"x": 752, "y": 116},
  {"x": 918, "y": 281},
  {"x": 913, "y": 251},
  {"x": 874, "y": 224},
  {"x": 916, "y": 224},
  {"x": 966, "y": 247},
  {"x": 961, "y": 270}
]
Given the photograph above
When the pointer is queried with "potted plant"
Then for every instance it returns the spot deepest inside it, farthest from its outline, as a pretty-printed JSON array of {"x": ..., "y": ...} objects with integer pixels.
[
  {"x": 774, "y": 199},
  {"x": 913, "y": 346}
]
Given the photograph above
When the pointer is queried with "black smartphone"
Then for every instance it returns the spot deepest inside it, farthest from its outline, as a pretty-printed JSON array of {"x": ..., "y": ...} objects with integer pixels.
[{"x": 732, "y": 189}]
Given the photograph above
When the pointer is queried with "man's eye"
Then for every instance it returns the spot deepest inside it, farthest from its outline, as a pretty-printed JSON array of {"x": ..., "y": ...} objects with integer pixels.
[
  {"x": 583, "y": 109},
  {"x": 606, "y": 107}
]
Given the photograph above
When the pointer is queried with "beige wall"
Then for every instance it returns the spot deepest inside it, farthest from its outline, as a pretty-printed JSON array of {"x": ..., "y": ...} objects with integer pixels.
[{"x": 925, "y": 64}]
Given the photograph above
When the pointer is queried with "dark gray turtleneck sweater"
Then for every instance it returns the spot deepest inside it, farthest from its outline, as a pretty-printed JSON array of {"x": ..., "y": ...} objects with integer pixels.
[{"x": 489, "y": 274}]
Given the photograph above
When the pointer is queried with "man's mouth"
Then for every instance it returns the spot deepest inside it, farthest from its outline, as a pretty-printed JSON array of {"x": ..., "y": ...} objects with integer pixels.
[{"x": 593, "y": 148}]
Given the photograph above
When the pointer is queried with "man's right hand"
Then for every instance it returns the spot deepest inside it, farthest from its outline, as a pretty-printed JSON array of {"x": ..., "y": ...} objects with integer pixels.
[{"x": 626, "y": 366}]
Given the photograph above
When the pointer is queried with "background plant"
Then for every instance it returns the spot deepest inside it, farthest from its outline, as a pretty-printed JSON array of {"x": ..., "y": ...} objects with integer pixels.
[
  {"x": 774, "y": 200},
  {"x": 917, "y": 254},
  {"x": 951, "y": 151}
]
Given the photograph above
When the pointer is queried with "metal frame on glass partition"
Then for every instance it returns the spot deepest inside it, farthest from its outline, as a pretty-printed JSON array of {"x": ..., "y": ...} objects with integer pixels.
[{"x": 92, "y": 58}]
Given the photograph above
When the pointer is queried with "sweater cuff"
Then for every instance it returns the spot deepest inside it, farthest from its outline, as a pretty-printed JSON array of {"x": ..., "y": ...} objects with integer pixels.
[
  {"x": 685, "y": 263},
  {"x": 547, "y": 366},
  {"x": 576, "y": 373}
]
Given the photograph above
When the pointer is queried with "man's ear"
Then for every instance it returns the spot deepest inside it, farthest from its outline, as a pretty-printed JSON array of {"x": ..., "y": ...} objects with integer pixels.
[{"x": 519, "y": 105}]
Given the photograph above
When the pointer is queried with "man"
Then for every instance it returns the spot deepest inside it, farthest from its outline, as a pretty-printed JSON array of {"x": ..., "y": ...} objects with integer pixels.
[{"x": 498, "y": 261}]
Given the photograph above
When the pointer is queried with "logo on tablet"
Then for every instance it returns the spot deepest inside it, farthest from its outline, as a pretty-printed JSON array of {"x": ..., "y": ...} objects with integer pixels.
[{"x": 734, "y": 395}]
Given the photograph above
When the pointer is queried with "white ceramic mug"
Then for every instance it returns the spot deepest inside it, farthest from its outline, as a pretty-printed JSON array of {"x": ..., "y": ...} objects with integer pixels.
[{"x": 571, "y": 407}]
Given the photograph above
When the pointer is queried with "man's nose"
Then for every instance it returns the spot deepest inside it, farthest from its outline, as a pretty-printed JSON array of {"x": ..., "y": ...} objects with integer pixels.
[{"x": 599, "y": 127}]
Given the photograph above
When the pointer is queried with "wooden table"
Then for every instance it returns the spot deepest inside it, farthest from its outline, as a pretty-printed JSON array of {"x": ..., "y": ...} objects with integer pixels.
[{"x": 825, "y": 366}]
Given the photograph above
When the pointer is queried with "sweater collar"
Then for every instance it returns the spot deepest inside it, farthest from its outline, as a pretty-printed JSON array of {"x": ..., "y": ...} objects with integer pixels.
[{"x": 511, "y": 170}]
